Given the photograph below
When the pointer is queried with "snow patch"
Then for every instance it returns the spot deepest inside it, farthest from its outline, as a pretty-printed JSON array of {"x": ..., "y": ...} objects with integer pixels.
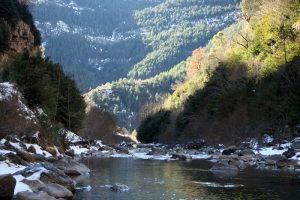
[
  {"x": 200, "y": 156},
  {"x": 20, "y": 186},
  {"x": 9, "y": 168},
  {"x": 79, "y": 150}
]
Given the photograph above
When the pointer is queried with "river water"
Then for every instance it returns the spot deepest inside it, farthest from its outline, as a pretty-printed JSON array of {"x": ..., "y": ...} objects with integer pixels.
[{"x": 154, "y": 180}]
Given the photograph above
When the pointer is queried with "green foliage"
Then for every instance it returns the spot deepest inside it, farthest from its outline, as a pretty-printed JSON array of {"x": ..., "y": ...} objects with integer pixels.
[
  {"x": 44, "y": 84},
  {"x": 171, "y": 31},
  {"x": 115, "y": 96},
  {"x": 174, "y": 28},
  {"x": 152, "y": 127},
  {"x": 248, "y": 82}
]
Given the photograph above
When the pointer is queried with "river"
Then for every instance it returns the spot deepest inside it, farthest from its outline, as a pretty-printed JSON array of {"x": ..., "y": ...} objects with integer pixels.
[{"x": 154, "y": 180}]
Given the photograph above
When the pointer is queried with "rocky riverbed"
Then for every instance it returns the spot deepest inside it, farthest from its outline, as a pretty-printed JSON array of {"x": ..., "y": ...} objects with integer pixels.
[{"x": 30, "y": 171}]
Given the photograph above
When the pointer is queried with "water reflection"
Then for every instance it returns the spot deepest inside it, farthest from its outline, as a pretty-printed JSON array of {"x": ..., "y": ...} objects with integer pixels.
[{"x": 182, "y": 180}]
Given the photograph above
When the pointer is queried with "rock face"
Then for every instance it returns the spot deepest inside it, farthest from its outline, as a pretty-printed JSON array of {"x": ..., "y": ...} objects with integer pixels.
[
  {"x": 7, "y": 186},
  {"x": 180, "y": 156},
  {"x": 34, "y": 196},
  {"x": 119, "y": 188},
  {"x": 56, "y": 191},
  {"x": 21, "y": 41},
  {"x": 70, "y": 167}
]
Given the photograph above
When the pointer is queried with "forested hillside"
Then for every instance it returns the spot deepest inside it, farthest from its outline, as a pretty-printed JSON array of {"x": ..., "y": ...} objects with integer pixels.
[
  {"x": 170, "y": 32},
  {"x": 95, "y": 41},
  {"x": 244, "y": 84},
  {"x": 51, "y": 98}
]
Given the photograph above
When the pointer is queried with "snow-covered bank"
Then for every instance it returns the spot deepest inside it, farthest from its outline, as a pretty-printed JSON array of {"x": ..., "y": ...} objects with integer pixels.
[{"x": 36, "y": 171}]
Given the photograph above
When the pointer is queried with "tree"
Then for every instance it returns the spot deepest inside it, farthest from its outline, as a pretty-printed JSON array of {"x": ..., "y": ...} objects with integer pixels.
[
  {"x": 194, "y": 64},
  {"x": 99, "y": 124}
]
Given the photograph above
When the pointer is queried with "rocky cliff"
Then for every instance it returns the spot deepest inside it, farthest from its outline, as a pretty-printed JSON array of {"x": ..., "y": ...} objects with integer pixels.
[{"x": 17, "y": 31}]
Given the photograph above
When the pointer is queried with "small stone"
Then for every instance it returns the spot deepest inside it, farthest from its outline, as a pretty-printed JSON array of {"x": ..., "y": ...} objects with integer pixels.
[
  {"x": 119, "y": 188},
  {"x": 180, "y": 156}
]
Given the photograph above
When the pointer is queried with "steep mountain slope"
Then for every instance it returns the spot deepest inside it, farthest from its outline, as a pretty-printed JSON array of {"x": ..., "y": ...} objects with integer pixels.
[
  {"x": 33, "y": 84},
  {"x": 246, "y": 83},
  {"x": 96, "y": 41},
  {"x": 170, "y": 31},
  {"x": 17, "y": 31}
]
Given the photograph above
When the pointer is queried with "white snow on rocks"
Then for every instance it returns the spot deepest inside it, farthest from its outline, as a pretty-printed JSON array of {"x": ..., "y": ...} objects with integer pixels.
[
  {"x": 9, "y": 168},
  {"x": 70, "y": 136},
  {"x": 8, "y": 92},
  {"x": 39, "y": 150},
  {"x": 79, "y": 150}
]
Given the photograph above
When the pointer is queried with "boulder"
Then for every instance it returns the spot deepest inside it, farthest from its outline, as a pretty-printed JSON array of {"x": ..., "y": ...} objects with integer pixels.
[
  {"x": 70, "y": 152},
  {"x": 119, "y": 188},
  {"x": 52, "y": 150},
  {"x": 2, "y": 157},
  {"x": 285, "y": 164},
  {"x": 296, "y": 145},
  {"x": 7, "y": 186},
  {"x": 289, "y": 153},
  {"x": 13, "y": 158},
  {"x": 34, "y": 196},
  {"x": 70, "y": 167},
  {"x": 50, "y": 174},
  {"x": 246, "y": 152},
  {"x": 157, "y": 151},
  {"x": 105, "y": 148},
  {"x": 272, "y": 160},
  {"x": 31, "y": 149},
  {"x": 224, "y": 165},
  {"x": 229, "y": 150},
  {"x": 179, "y": 156},
  {"x": 33, "y": 184},
  {"x": 30, "y": 157},
  {"x": 56, "y": 191}
]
